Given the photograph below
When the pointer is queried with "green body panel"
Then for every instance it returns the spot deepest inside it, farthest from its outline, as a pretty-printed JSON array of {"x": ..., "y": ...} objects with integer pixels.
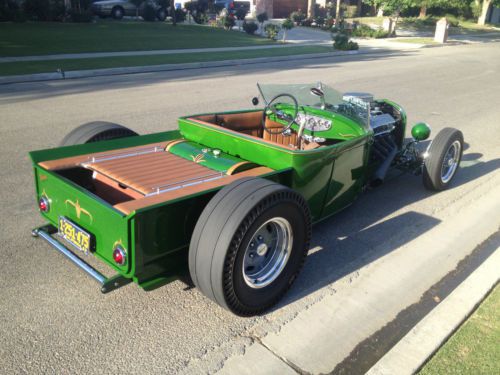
[
  {"x": 191, "y": 151},
  {"x": 312, "y": 170},
  {"x": 64, "y": 152}
]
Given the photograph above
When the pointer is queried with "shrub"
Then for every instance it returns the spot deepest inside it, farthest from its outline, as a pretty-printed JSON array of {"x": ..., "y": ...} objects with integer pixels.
[
  {"x": 287, "y": 24},
  {"x": 44, "y": 10},
  {"x": 149, "y": 13},
  {"x": 297, "y": 16},
  {"x": 227, "y": 22},
  {"x": 272, "y": 31},
  {"x": 241, "y": 13},
  {"x": 307, "y": 22},
  {"x": 380, "y": 33},
  {"x": 200, "y": 18},
  {"x": 250, "y": 27},
  {"x": 196, "y": 6},
  {"x": 262, "y": 17},
  {"x": 81, "y": 16},
  {"x": 319, "y": 20},
  {"x": 368, "y": 32},
  {"x": 180, "y": 15},
  {"x": 341, "y": 42},
  {"x": 11, "y": 11}
]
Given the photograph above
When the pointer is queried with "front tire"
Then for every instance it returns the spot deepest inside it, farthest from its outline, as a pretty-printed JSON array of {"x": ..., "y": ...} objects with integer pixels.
[
  {"x": 249, "y": 244},
  {"x": 445, "y": 154},
  {"x": 96, "y": 131}
]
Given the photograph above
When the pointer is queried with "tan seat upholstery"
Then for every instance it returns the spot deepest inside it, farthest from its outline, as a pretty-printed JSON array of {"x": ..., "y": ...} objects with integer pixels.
[
  {"x": 285, "y": 140},
  {"x": 246, "y": 123},
  {"x": 250, "y": 123}
]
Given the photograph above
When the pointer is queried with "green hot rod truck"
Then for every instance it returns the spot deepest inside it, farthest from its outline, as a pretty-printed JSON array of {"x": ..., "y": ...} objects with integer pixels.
[{"x": 228, "y": 199}]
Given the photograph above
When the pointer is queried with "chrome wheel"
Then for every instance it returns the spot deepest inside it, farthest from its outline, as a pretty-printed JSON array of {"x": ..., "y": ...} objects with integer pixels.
[
  {"x": 267, "y": 252},
  {"x": 450, "y": 161}
]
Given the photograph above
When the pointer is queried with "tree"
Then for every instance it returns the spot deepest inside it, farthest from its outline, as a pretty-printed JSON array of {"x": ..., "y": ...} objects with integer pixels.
[
  {"x": 337, "y": 13},
  {"x": 486, "y": 9},
  {"x": 311, "y": 8},
  {"x": 286, "y": 25},
  {"x": 172, "y": 9},
  {"x": 262, "y": 17}
]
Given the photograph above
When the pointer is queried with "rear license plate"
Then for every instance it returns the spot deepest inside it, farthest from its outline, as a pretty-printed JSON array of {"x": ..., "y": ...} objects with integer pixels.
[{"x": 75, "y": 235}]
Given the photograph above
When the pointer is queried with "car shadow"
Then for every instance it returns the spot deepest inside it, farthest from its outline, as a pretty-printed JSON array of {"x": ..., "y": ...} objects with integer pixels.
[{"x": 361, "y": 234}]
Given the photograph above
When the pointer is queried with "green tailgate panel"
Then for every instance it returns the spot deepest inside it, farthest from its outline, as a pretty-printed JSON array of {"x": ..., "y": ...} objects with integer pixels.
[{"x": 107, "y": 226}]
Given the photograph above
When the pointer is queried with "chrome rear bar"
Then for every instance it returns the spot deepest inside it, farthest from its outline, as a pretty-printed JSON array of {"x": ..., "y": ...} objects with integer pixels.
[{"x": 107, "y": 284}]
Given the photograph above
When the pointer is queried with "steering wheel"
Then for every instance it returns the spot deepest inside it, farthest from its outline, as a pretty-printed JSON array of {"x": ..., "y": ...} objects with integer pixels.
[{"x": 271, "y": 106}]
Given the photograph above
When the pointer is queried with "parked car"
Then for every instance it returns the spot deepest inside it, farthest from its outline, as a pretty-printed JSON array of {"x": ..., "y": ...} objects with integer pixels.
[
  {"x": 232, "y": 7},
  {"x": 229, "y": 199},
  {"x": 120, "y": 8}
]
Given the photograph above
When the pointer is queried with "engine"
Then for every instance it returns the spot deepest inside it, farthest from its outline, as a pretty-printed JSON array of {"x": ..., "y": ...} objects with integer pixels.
[{"x": 383, "y": 124}]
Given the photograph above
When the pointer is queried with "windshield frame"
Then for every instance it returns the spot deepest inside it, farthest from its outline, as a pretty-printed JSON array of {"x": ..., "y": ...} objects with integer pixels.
[{"x": 334, "y": 101}]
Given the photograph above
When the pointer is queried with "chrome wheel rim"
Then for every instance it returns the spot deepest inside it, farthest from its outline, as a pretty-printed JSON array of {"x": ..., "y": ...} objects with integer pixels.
[
  {"x": 450, "y": 161},
  {"x": 267, "y": 252}
]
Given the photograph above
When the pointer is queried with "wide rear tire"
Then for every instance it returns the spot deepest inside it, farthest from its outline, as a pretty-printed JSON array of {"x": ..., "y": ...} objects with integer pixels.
[
  {"x": 445, "y": 154},
  {"x": 249, "y": 244},
  {"x": 96, "y": 131}
]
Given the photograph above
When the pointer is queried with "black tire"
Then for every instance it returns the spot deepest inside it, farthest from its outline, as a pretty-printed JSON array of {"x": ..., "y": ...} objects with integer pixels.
[
  {"x": 117, "y": 13},
  {"x": 161, "y": 14},
  {"x": 222, "y": 237},
  {"x": 449, "y": 142},
  {"x": 96, "y": 131}
]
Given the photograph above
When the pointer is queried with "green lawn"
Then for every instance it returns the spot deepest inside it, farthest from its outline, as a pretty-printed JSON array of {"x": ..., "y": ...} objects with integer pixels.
[
  {"x": 415, "y": 40},
  {"x": 44, "y": 38},
  {"x": 105, "y": 62},
  {"x": 475, "y": 347}
]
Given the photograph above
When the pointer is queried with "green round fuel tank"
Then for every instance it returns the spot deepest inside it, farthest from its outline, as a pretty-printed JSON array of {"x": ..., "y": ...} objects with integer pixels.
[{"x": 421, "y": 131}]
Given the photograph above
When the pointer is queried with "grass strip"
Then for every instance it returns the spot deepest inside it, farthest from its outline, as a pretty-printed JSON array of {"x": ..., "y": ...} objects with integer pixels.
[
  {"x": 475, "y": 347},
  {"x": 30, "y": 67},
  {"x": 414, "y": 40}
]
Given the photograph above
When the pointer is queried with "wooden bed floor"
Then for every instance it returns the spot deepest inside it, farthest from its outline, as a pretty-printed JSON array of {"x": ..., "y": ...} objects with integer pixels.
[{"x": 153, "y": 172}]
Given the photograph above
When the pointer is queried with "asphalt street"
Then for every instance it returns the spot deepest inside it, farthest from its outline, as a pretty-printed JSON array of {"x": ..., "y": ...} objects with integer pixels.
[{"x": 53, "y": 319}]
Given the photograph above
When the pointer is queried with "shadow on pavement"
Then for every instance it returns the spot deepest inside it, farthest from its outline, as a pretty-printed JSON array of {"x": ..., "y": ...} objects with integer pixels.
[{"x": 355, "y": 237}]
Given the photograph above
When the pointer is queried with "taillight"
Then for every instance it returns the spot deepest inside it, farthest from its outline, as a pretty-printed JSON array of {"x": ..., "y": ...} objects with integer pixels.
[
  {"x": 43, "y": 204},
  {"x": 119, "y": 255}
]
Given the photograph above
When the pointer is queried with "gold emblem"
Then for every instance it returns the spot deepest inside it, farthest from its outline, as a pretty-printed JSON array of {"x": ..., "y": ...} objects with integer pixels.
[
  {"x": 79, "y": 209},
  {"x": 198, "y": 158}
]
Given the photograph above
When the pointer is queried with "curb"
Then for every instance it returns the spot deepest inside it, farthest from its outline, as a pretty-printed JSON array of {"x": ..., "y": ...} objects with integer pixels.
[
  {"x": 425, "y": 339},
  {"x": 61, "y": 75}
]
